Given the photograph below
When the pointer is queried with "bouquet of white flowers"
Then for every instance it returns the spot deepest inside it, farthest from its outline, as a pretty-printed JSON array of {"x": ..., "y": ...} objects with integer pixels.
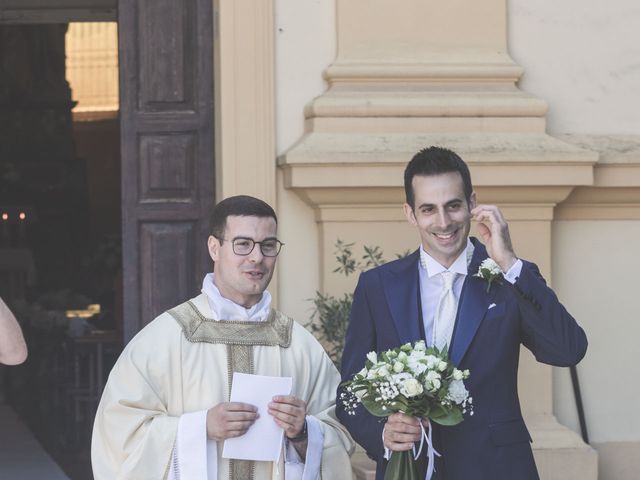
[{"x": 414, "y": 380}]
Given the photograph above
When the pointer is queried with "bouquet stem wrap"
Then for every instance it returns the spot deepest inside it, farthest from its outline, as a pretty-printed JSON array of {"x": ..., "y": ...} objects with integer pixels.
[{"x": 402, "y": 466}]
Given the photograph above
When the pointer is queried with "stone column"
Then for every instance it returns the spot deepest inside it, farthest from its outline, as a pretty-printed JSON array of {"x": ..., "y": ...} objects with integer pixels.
[
  {"x": 414, "y": 73},
  {"x": 244, "y": 95}
]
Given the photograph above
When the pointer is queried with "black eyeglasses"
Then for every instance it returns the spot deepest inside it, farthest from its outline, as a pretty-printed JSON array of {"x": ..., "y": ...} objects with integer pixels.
[{"x": 244, "y": 246}]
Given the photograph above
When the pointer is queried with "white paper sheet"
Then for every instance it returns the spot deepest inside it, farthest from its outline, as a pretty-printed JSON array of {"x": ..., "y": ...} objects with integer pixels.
[{"x": 263, "y": 440}]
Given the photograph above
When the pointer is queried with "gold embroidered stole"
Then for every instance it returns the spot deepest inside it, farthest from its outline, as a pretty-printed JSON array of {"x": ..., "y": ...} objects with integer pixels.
[{"x": 240, "y": 337}]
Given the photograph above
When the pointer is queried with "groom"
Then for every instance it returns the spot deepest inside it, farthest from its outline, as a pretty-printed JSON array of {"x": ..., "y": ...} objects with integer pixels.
[{"x": 433, "y": 294}]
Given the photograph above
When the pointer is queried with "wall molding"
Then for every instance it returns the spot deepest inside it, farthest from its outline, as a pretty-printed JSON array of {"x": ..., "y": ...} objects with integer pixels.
[
  {"x": 245, "y": 98},
  {"x": 615, "y": 192}
]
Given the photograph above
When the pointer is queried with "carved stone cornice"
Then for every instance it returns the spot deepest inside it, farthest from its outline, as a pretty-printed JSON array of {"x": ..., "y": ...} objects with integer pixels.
[
  {"x": 615, "y": 192},
  {"x": 331, "y": 170}
]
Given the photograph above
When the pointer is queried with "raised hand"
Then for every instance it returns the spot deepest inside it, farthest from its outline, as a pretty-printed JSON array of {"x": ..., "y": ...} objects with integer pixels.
[
  {"x": 230, "y": 419},
  {"x": 494, "y": 231}
]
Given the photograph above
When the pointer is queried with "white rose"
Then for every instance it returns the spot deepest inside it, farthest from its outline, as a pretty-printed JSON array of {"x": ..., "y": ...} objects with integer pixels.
[
  {"x": 457, "y": 392},
  {"x": 420, "y": 346},
  {"x": 432, "y": 381},
  {"x": 417, "y": 355},
  {"x": 417, "y": 367},
  {"x": 432, "y": 375},
  {"x": 491, "y": 265},
  {"x": 466, "y": 373},
  {"x": 402, "y": 357},
  {"x": 432, "y": 361},
  {"x": 457, "y": 374},
  {"x": 411, "y": 388},
  {"x": 399, "y": 378},
  {"x": 383, "y": 371},
  {"x": 442, "y": 366},
  {"x": 416, "y": 362},
  {"x": 372, "y": 357},
  {"x": 398, "y": 367}
]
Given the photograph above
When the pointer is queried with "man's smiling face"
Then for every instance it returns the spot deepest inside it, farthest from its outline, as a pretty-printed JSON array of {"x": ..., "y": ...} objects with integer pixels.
[
  {"x": 243, "y": 278},
  {"x": 442, "y": 215}
]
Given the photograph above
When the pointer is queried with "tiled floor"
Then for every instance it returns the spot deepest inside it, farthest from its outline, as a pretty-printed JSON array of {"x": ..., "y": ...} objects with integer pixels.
[{"x": 21, "y": 456}]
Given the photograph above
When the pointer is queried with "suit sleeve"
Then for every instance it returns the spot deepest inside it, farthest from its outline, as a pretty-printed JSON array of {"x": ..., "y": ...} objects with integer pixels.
[
  {"x": 548, "y": 330},
  {"x": 360, "y": 339}
]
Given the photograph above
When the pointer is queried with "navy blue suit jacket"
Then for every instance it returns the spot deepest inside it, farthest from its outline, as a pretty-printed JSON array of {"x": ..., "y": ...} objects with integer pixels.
[{"x": 494, "y": 443}]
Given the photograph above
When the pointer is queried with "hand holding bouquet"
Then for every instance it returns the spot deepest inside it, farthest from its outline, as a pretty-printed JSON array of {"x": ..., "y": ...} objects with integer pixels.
[{"x": 416, "y": 381}]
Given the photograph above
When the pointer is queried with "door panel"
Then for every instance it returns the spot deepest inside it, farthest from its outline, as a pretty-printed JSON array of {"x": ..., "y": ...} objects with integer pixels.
[
  {"x": 166, "y": 252},
  {"x": 168, "y": 76},
  {"x": 166, "y": 84}
]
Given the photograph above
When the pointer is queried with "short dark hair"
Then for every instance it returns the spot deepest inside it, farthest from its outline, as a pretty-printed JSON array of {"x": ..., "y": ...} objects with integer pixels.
[
  {"x": 435, "y": 161},
  {"x": 241, "y": 206}
]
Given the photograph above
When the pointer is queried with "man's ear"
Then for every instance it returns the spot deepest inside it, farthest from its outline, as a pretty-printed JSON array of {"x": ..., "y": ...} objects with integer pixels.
[
  {"x": 472, "y": 201},
  {"x": 213, "y": 245},
  {"x": 408, "y": 212}
]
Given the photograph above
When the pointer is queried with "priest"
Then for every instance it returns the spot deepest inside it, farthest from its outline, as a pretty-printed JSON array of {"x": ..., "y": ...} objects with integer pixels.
[{"x": 165, "y": 411}]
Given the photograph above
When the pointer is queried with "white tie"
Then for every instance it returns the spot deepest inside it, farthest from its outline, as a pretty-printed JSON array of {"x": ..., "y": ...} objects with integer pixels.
[{"x": 445, "y": 312}]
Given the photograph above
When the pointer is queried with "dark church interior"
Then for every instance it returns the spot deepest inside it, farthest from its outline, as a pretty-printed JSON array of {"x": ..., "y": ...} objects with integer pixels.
[{"x": 60, "y": 243}]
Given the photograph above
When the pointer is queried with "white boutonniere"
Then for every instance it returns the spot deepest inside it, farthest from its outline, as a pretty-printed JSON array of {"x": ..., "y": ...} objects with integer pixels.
[{"x": 490, "y": 271}]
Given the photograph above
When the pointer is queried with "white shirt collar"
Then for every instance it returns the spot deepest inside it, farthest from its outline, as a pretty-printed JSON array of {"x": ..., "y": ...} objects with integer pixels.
[
  {"x": 459, "y": 266},
  {"x": 225, "y": 309}
]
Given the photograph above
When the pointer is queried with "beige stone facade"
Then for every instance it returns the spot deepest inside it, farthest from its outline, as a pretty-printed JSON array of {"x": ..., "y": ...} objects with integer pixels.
[{"x": 413, "y": 73}]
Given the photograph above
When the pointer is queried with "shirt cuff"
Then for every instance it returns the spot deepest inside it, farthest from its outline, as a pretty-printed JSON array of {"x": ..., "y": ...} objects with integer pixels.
[
  {"x": 309, "y": 470},
  {"x": 514, "y": 272}
]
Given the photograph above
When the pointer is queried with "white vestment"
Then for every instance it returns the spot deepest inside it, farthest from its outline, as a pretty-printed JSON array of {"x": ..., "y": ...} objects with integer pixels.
[{"x": 182, "y": 363}]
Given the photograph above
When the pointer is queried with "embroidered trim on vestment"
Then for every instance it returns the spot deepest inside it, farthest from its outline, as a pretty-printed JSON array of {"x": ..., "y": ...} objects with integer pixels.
[
  {"x": 276, "y": 330},
  {"x": 239, "y": 359}
]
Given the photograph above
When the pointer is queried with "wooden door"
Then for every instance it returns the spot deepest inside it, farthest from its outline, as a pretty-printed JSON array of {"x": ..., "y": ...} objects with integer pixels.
[{"x": 166, "y": 115}]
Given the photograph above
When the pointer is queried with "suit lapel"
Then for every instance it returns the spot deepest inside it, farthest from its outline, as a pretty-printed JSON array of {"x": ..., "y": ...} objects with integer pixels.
[
  {"x": 401, "y": 292},
  {"x": 473, "y": 306}
]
